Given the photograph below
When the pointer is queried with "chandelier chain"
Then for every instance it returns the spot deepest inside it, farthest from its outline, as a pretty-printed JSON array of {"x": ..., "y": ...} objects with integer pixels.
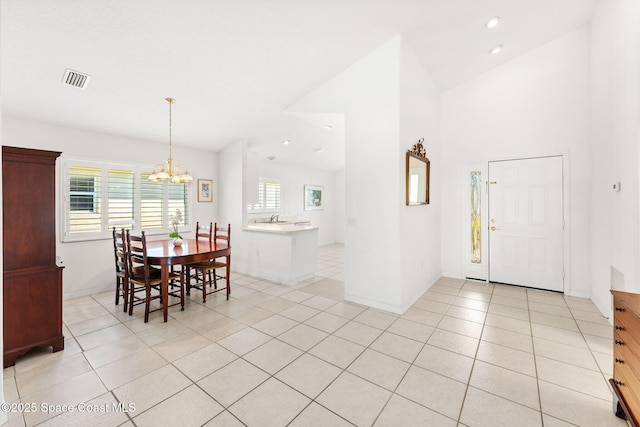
[
  {"x": 177, "y": 174},
  {"x": 170, "y": 101}
]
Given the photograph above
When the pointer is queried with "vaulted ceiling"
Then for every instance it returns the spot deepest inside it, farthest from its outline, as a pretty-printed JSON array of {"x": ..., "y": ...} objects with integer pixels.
[{"x": 234, "y": 66}]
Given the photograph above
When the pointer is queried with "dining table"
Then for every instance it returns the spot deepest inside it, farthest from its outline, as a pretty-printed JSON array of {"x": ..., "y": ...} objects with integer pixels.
[{"x": 165, "y": 254}]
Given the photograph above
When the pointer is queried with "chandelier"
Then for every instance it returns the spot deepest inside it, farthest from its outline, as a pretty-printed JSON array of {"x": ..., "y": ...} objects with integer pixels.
[{"x": 177, "y": 174}]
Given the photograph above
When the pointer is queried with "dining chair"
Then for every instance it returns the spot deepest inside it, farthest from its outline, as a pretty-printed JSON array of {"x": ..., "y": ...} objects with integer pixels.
[
  {"x": 203, "y": 234},
  {"x": 122, "y": 281},
  {"x": 207, "y": 269},
  {"x": 145, "y": 277}
]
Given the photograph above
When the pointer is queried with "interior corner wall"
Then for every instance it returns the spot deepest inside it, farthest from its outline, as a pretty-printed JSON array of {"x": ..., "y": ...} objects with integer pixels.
[
  {"x": 339, "y": 213},
  {"x": 86, "y": 275},
  {"x": 613, "y": 125},
  {"x": 533, "y": 105},
  {"x": 232, "y": 164},
  {"x": 368, "y": 93},
  {"x": 230, "y": 186},
  {"x": 419, "y": 228}
]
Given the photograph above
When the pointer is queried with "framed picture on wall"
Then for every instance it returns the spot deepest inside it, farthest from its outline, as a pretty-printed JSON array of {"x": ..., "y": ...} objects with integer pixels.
[
  {"x": 205, "y": 190},
  {"x": 313, "y": 198}
]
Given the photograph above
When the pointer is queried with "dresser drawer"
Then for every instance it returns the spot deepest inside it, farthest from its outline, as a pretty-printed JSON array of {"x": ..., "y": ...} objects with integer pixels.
[
  {"x": 629, "y": 300},
  {"x": 626, "y": 389},
  {"x": 624, "y": 349},
  {"x": 622, "y": 373},
  {"x": 622, "y": 314}
]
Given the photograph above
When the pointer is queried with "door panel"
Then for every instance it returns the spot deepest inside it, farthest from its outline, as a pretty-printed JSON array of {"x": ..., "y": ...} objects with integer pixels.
[{"x": 525, "y": 222}]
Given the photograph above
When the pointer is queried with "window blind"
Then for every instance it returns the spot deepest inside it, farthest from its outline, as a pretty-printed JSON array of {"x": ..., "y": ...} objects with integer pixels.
[{"x": 99, "y": 196}]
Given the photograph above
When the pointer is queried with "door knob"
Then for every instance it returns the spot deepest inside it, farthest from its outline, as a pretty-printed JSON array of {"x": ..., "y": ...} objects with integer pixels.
[{"x": 494, "y": 228}]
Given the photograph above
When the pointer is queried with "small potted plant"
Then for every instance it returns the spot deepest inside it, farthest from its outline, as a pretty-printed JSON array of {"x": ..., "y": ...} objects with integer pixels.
[{"x": 175, "y": 222}]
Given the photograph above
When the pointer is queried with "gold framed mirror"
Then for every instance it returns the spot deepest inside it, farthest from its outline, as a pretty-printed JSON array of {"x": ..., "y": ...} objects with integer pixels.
[{"x": 418, "y": 173}]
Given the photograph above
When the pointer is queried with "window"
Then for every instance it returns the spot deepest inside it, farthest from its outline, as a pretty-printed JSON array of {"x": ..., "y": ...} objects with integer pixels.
[
  {"x": 121, "y": 198},
  {"x": 268, "y": 196},
  {"x": 84, "y": 199},
  {"x": 178, "y": 200},
  {"x": 82, "y": 193},
  {"x": 151, "y": 203},
  {"x": 99, "y": 196}
]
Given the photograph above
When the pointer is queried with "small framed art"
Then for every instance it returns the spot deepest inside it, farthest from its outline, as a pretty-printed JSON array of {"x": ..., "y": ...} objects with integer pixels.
[
  {"x": 313, "y": 198},
  {"x": 205, "y": 190}
]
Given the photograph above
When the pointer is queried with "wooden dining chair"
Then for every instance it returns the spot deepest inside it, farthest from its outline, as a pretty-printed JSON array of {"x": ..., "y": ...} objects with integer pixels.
[
  {"x": 203, "y": 234},
  {"x": 122, "y": 281},
  {"x": 205, "y": 273},
  {"x": 145, "y": 277}
]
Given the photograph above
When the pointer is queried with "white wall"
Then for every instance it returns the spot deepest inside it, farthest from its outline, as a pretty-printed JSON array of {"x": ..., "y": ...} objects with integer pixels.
[
  {"x": 614, "y": 123},
  {"x": 89, "y": 265},
  {"x": 232, "y": 166},
  {"x": 339, "y": 213},
  {"x": 369, "y": 94},
  {"x": 536, "y": 104},
  {"x": 419, "y": 232}
]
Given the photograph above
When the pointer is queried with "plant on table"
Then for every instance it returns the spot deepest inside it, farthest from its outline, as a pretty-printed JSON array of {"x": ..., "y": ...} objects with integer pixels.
[{"x": 176, "y": 220}]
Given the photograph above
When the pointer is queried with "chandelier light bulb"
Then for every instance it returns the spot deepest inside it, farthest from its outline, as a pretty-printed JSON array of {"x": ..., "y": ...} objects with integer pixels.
[{"x": 492, "y": 22}]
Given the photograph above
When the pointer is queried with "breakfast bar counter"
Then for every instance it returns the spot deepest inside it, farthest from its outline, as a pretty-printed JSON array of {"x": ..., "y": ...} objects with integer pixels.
[{"x": 283, "y": 253}]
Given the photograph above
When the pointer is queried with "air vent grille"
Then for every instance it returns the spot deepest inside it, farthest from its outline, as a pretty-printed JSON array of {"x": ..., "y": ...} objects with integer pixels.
[{"x": 75, "y": 79}]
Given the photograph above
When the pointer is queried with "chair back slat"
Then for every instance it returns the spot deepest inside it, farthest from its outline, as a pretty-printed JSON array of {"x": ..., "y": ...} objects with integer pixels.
[
  {"x": 204, "y": 232},
  {"x": 222, "y": 233},
  {"x": 122, "y": 277},
  {"x": 120, "y": 251},
  {"x": 137, "y": 261}
]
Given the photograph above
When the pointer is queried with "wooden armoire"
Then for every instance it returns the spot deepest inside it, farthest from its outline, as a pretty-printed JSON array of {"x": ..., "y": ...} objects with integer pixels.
[{"x": 32, "y": 289}]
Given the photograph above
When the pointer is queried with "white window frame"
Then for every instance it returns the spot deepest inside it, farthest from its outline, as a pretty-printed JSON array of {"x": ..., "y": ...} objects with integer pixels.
[
  {"x": 106, "y": 232},
  {"x": 261, "y": 182}
]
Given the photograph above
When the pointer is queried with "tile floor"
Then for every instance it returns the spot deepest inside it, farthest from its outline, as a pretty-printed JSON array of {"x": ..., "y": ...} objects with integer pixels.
[{"x": 466, "y": 354}]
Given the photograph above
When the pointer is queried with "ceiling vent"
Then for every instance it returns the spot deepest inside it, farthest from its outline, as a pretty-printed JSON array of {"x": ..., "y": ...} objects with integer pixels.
[{"x": 75, "y": 79}]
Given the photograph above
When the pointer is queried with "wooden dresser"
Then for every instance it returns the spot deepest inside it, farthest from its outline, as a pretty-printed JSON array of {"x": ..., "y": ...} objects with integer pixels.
[
  {"x": 626, "y": 355},
  {"x": 32, "y": 291}
]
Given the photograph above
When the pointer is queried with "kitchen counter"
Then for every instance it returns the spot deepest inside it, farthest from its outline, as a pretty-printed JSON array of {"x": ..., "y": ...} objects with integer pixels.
[
  {"x": 289, "y": 227},
  {"x": 285, "y": 253}
]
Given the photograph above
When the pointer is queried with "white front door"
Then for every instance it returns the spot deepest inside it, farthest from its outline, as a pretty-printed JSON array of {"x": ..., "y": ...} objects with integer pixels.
[{"x": 526, "y": 222}]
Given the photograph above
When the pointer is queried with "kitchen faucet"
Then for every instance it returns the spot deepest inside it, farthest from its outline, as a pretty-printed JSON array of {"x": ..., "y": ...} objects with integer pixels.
[{"x": 276, "y": 217}]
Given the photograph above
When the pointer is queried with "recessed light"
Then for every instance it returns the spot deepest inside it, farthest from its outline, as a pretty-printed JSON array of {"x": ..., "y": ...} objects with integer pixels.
[
  {"x": 492, "y": 23},
  {"x": 318, "y": 150},
  {"x": 495, "y": 50},
  {"x": 329, "y": 127},
  {"x": 271, "y": 157},
  {"x": 285, "y": 142}
]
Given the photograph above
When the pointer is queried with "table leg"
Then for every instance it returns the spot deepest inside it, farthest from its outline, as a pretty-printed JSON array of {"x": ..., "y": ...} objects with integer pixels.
[
  {"x": 164, "y": 271},
  {"x": 228, "y": 275}
]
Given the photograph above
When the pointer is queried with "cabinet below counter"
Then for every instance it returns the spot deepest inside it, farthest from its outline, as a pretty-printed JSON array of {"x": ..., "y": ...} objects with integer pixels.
[{"x": 282, "y": 253}]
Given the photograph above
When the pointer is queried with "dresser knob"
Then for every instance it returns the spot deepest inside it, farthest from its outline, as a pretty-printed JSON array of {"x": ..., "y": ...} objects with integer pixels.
[
  {"x": 619, "y": 328},
  {"x": 619, "y": 309},
  {"x": 619, "y": 342},
  {"x": 616, "y": 382},
  {"x": 619, "y": 360}
]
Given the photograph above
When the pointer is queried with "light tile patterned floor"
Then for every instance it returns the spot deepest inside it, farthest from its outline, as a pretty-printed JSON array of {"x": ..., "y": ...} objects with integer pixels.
[{"x": 466, "y": 354}]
